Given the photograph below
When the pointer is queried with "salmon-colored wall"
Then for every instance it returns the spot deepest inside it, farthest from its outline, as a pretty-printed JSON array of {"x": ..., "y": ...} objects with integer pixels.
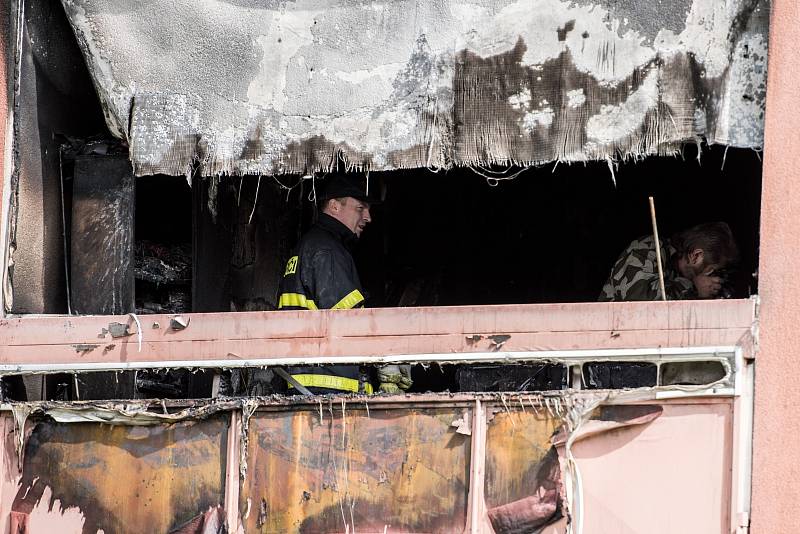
[
  {"x": 776, "y": 473},
  {"x": 5, "y": 81}
]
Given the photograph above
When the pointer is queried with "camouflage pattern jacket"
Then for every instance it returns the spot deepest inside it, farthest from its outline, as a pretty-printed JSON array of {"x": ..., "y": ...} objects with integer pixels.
[{"x": 635, "y": 274}]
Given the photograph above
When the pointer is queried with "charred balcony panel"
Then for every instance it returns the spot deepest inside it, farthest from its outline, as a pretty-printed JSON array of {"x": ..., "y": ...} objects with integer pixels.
[
  {"x": 102, "y": 258},
  {"x": 377, "y": 465},
  {"x": 120, "y": 478},
  {"x": 539, "y": 377},
  {"x": 523, "y": 474},
  {"x": 620, "y": 375},
  {"x": 434, "y": 463}
]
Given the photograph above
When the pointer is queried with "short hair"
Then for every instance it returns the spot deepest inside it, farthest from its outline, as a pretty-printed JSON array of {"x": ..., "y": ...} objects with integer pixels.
[
  {"x": 325, "y": 201},
  {"x": 714, "y": 239}
]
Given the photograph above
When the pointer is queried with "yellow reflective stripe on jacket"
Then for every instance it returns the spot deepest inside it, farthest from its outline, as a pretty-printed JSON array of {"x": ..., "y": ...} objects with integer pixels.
[
  {"x": 296, "y": 300},
  {"x": 331, "y": 382},
  {"x": 350, "y": 301}
]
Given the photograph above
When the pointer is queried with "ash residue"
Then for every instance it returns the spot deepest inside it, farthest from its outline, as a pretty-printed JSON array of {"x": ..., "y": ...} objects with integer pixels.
[
  {"x": 163, "y": 278},
  {"x": 163, "y": 264}
]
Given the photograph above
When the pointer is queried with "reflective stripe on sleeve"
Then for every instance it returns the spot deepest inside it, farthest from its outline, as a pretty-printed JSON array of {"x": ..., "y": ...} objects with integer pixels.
[
  {"x": 350, "y": 301},
  {"x": 331, "y": 382},
  {"x": 296, "y": 300}
]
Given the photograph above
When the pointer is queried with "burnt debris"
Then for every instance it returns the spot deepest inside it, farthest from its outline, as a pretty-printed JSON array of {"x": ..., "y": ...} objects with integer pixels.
[{"x": 163, "y": 278}]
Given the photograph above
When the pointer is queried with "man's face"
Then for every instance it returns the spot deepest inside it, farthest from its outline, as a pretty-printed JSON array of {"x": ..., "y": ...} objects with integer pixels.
[
  {"x": 352, "y": 213},
  {"x": 703, "y": 274}
]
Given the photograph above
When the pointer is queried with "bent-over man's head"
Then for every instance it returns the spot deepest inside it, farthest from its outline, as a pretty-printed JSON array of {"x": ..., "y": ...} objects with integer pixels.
[{"x": 705, "y": 249}]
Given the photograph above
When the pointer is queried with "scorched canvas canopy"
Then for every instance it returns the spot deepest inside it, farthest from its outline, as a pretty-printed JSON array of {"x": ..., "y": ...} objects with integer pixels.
[{"x": 268, "y": 87}]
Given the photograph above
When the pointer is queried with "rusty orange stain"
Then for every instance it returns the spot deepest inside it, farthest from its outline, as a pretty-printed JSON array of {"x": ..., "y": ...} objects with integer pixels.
[
  {"x": 126, "y": 478},
  {"x": 404, "y": 471},
  {"x": 516, "y": 443}
]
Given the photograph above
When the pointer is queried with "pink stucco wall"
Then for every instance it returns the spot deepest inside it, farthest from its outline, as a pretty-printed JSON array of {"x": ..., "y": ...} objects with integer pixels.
[
  {"x": 776, "y": 476},
  {"x": 5, "y": 40}
]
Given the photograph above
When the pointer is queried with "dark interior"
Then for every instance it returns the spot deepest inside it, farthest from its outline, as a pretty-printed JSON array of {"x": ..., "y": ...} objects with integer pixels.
[
  {"x": 452, "y": 238},
  {"x": 553, "y": 233},
  {"x": 163, "y": 249}
]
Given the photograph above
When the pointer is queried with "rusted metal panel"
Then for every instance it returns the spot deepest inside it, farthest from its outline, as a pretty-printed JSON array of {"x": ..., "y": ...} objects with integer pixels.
[
  {"x": 341, "y": 468},
  {"x": 523, "y": 482},
  {"x": 395, "y": 468},
  {"x": 630, "y": 461},
  {"x": 529, "y": 458},
  {"x": 125, "y": 479},
  {"x": 376, "y": 332}
]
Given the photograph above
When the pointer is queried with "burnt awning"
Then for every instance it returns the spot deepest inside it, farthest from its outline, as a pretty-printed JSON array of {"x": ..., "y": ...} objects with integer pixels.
[{"x": 267, "y": 87}]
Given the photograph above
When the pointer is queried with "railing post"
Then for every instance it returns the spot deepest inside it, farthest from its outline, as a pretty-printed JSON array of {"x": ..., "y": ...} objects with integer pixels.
[
  {"x": 476, "y": 503},
  {"x": 232, "y": 460}
]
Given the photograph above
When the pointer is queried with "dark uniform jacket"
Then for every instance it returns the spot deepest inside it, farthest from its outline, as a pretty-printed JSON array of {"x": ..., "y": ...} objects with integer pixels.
[{"x": 321, "y": 274}]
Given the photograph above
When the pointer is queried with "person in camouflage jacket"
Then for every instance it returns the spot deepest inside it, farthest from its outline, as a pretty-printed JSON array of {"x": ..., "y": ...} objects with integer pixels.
[{"x": 690, "y": 260}]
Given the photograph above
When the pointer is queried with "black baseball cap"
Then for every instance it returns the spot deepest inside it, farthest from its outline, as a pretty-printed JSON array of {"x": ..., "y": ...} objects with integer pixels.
[{"x": 341, "y": 185}]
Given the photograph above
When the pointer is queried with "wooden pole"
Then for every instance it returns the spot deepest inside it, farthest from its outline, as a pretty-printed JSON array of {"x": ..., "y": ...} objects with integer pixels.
[{"x": 658, "y": 249}]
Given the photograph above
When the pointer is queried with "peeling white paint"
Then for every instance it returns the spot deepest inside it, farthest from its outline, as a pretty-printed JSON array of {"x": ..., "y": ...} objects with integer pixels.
[
  {"x": 706, "y": 33},
  {"x": 383, "y": 72},
  {"x": 288, "y": 32},
  {"x": 745, "y": 96},
  {"x": 608, "y": 54}
]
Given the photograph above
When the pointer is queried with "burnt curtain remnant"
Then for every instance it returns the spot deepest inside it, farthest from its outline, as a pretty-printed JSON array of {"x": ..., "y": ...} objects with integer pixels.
[{"x": 246, "y": 87}]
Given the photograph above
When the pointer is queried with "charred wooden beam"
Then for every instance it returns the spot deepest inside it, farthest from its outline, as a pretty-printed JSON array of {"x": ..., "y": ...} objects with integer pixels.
[{"x": 211, "y": 248}]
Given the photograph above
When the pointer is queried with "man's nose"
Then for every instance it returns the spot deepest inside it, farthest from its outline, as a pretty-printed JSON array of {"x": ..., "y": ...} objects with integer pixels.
[{"x": 366, "y": 216}]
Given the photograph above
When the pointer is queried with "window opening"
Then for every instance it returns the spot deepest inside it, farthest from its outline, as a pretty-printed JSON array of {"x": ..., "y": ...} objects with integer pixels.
[{"x": 163, "y": 252}]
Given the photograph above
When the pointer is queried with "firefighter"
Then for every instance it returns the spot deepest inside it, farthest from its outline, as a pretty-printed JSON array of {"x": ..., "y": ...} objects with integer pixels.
[
  {"x": 321, "y": 274},
  {"x": 695, "y": 263}
]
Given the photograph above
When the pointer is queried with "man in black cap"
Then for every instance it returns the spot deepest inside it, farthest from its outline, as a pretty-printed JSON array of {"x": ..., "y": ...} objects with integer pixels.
[{"x": 321, "y": 274}]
